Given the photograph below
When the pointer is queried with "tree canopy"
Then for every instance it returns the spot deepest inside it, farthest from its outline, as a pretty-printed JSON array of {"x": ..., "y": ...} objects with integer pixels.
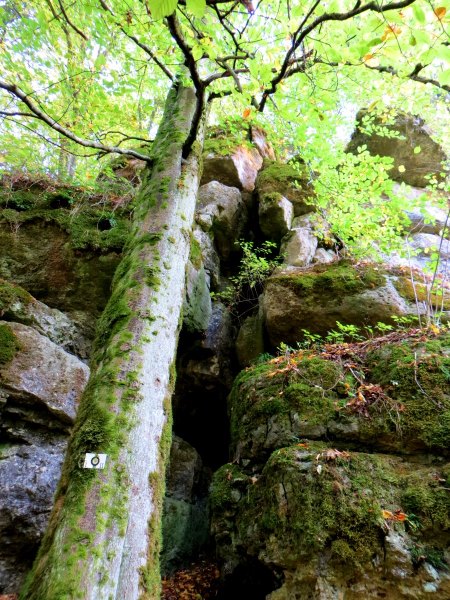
[{"x": 96, "y": 72}]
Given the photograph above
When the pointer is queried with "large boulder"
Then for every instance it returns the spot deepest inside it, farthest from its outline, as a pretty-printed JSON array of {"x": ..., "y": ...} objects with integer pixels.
[
  {"x": 16, "y": 304},
  {"x": 311, "y": 504},
  {"x": 316, "y": 298},
  {"x": 40, "y": 387},
  {"x": 38, "y": 256},
  {"x": 222, "y": 211},
  {"x": 306, "y": 395},
  {"x": 197, "y": 302},
  {"x": 275, "y": 215},
  {"x": 298, "y": 247},
  {"x": 329, "y": 524},
  {"x": 410, "y": 131},
  {"x": 235, "y": 167},
  {"x": 42, "y": 374}
]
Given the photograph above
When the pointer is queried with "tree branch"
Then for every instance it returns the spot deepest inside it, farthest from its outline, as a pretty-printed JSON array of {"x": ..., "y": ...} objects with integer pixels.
[
  {"x": 300, "y": 34},
  {"x": 138, "y": 43},
  {"x": 414, "y": 75},
  {"x": 189, "y": 61},
  {"x": 39, "y": 114},
  {"x": 69, "y": 22}
]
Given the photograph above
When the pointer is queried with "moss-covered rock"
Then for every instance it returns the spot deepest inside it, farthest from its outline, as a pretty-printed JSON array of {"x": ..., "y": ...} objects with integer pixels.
[
  {"x": 324, "y": 515},
  {"x": 291, "y": 181},
  {"x": 401, "y": 404},
  {"x": 316, "y": 298}
]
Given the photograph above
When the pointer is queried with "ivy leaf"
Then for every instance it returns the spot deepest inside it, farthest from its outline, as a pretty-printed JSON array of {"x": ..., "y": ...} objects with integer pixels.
[
  {"x": 196, "y": 7},
  {"x": 162, "y": 8}
]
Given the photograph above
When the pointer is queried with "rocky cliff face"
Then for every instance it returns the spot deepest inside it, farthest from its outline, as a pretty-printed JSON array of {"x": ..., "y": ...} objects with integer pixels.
[{"x": 338, "y": 485}]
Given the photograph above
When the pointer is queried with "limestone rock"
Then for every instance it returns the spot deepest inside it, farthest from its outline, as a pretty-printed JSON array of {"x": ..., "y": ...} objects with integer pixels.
[
  {"x": 197, "y": 303},
  {"x": 291, "y": 182},
  {"x": 222, "y": 210},
  {"x": 427, "y": 243},
  {"x": 40, "y": 388},
  {"x": 267, "y": 414},
  {"x": 299, "y": 247},
  {"x": 28, "y": 478},
  {"x": 210, "y": 258},
  {"x": 259, "y": 139},
  {"x": 39, "y": 258},
  {"x": 43, "y": 374},
  {"x": 238, "y": 169},
  {"x": 184, "y": 480},
  {"x": 275, "y": 215},
  {"x": 324, "y": 257},
  {"x": 19, "y": 306},
  {"x": 316, "y": 298},
  {"x": 413, "y": 133}
]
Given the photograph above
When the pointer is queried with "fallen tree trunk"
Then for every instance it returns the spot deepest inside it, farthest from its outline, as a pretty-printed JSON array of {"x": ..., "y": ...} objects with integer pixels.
[{"x": 104, "y": 538}]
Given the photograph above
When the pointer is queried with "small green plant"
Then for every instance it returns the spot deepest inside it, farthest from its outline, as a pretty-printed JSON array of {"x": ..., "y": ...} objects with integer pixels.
[
  {"x": 404, "y": 322},
  {"x": 310, "y": 340},
  {"x": 343, "y": 333},
  {"x": 254, "y": 268}
]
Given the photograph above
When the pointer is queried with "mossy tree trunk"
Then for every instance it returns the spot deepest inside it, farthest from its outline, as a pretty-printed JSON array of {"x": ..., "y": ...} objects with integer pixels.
[{"x": 103, "y": 540}]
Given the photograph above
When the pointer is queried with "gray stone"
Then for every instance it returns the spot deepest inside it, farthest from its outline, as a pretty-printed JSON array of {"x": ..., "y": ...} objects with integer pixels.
[
  {"x": 184, "y": 472},
  {"x": 210, "y": 258},
  {"x": 51, "y": 322},
  {"x": 275, "y": 215},
  {"x": 288, "y": 308},
  {"x": 298, "y": 247},
  {"x": 185, "y": 518},
  {"x": 413, "y": 133},
  {"x": 292, "y": 182},
  {"x": 197, "y": 303},
  {"x": 38, "y": 257},
  {"x": 222, "y": 211},
  {"x": 324, "y": 257},
  {"x": 28, "y": 478},
  {"x": 427, "y": 243},
  {"x": 42, "y": 373}
]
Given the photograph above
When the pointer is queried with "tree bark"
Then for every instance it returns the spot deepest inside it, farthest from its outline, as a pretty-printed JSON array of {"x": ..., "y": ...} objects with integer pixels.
[{"x": 104, "y": 536}]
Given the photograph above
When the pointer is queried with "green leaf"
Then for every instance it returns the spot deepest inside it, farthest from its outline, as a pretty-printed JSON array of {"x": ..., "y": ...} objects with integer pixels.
[
  {"x": 162, "y": 8},
  {"x": 418, "y": 13},
  {"x": 444, "y": 77},
  {"x": 196, "y": 7},
  {"x": 417, "y": 150}
]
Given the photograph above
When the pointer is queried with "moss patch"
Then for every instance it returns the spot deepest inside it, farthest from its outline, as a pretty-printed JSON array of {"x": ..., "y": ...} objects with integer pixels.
[
  {"x": 11, "y": 294},
  {"x": 9, "y": 344},
  {"x": 88, "y": 229},
  {"x": 331, "y": 281}
]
